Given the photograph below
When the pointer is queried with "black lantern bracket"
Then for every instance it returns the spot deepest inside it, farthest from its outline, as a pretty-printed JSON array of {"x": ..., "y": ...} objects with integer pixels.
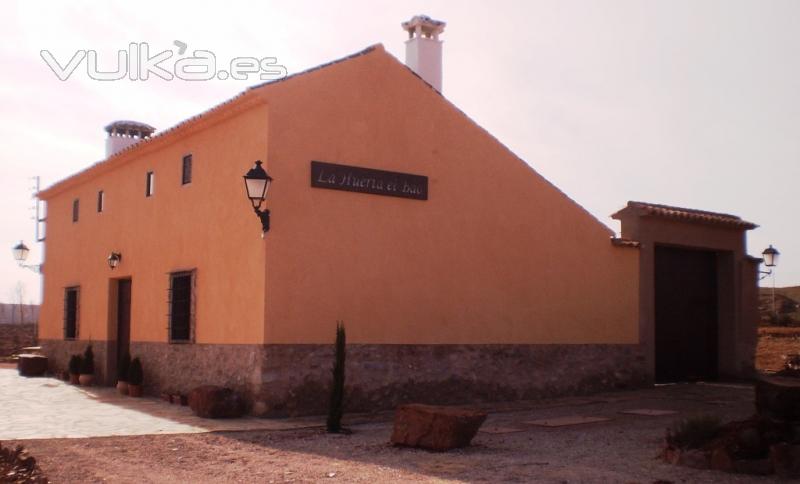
[{"x": 264, "y": 216}]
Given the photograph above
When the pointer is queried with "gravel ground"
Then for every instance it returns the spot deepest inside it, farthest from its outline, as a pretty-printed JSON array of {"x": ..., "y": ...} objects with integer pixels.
[{"x": 623, "y": 449}]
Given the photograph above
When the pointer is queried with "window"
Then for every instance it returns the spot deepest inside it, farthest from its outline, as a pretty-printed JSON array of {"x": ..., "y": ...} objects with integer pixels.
[
  {"x": 71, "y": 312},
  {"x": 151, "y": 184},
  {"x": 186, "y": 172},
  {"x": 181, "y": 310},
  {"x": 100, "y": 201},
  {"x": 75, "y": 210}
]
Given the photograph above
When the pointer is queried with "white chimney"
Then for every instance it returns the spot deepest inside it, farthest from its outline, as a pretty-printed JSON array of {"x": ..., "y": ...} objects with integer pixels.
[
  {"x": 122, "y": 134},
  {"x": 424, "y": 49}
]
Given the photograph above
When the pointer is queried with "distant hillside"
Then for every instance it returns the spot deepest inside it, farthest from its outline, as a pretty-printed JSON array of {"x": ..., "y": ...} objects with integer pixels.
[
  {"x": 787, "y": 306},
  {"x": 10, "y": 313}
]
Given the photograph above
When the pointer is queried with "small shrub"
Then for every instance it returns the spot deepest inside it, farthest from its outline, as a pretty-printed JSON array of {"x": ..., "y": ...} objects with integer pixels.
[
  {"x": 123, "y": 367},
  {"x": 75, "y": 364},
  {"x": 87, "y": 366},
  {"x": 135, "y": 373},
  {"x": 694, "y": 432}
]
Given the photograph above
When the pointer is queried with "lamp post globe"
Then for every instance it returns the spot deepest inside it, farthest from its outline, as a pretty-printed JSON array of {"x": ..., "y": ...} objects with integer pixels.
[
  {"x": 20, "y": 252},
  {"x": 771, "y": 255}
]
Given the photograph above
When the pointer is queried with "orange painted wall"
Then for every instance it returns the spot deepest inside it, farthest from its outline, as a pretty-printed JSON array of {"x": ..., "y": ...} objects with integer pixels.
[
  {"x": 496, "y": 255},
  {"x": 207, "y": 225}
]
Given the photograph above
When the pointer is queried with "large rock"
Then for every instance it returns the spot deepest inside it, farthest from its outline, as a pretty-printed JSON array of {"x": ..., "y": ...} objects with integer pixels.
[
  {"x": 435, "y": 427},
  {"x": 778, "y": 398},
  {"x": 31, "y": 365},
  {"x": 210, "y": 401}
]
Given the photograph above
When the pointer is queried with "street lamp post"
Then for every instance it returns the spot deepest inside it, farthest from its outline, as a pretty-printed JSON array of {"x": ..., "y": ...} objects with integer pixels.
[
  {"x": 771, "y": 256},
  {"x": 20, "y": 252}
]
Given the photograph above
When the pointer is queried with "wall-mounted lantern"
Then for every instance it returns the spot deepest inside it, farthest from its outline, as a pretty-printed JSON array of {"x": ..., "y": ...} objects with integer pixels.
[
  {"x": 20, "y": 252},
  {"x": 114, "y": 259},
  {"x": 771, "y": 255},
  {"x": 257, "y": 183}
]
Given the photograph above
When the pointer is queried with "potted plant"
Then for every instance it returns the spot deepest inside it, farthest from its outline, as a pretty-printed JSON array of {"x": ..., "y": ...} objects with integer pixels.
[
  {"x": 135, "y": 377},
  {"x": 122, "y": 373},
  {"x": 75, "y": 363},
  {"x": 87, "y": 368}
]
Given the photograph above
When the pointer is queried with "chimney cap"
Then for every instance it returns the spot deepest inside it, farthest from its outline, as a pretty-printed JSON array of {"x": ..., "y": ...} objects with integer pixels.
[
  {"x": 424, "y": 25},
  {"x": 130, "y": 128}
]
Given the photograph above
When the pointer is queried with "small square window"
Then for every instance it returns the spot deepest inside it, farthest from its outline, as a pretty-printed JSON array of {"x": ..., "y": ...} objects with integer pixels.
[
  {"x": 151, "y": 184},
  {"x": 186, "y": 172},
  {"x": 75, "y": 209},
  {"x": 101, "y": 199}
]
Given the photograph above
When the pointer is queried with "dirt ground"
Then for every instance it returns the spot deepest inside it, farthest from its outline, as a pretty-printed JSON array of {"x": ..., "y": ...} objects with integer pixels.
[
  {"x": 773, "y": 344},
  {"x": 622, "y": 449}
]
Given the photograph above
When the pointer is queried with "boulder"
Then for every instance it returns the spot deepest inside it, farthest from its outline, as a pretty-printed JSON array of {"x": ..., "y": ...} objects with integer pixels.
[
  {"x": 436, "y": 428},
  {"x": 778, "y": 398},
  {"x": 209, "y": 401},
  {"x": 785, "y": 460},
  {"x": 31, "y": 365}
]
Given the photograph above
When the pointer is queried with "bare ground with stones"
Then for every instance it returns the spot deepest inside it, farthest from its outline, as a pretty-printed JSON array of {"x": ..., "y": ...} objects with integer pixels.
[{"x": 623, "y": 449}]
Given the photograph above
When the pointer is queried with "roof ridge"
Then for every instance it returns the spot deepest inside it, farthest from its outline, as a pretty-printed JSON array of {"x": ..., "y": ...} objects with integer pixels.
[
  {"x": 316, "y": 68},
  {"x": 683, "y": 209}
]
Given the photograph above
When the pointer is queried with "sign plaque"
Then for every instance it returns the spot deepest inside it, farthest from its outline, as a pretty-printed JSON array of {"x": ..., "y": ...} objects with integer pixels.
[{"x": 368, "y": 180}]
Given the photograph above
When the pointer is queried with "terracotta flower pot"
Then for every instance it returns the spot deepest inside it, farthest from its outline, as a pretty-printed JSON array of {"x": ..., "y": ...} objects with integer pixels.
[
  {"x": 122, "y": 387},
  {"x": 86, "y": 380},
  {"x": 134, "y": 390},
  {"x": 74, "y": 378}
]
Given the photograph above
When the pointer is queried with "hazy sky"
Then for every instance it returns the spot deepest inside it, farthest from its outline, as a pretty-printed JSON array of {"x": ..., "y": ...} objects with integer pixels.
[{"x": 689, "y": 103}]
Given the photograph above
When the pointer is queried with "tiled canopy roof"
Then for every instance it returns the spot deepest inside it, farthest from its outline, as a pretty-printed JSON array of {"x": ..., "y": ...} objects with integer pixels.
[{"x": 688, "y": 215}]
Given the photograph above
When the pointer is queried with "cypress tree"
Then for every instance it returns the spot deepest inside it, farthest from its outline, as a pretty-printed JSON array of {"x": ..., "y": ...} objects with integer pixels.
[{"x": 336, "y": 407}]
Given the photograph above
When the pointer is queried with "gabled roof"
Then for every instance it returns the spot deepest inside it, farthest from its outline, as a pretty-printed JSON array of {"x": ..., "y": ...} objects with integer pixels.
[
  {"x": 243, "y": 100},
  {"x": 644, "y": 209}
]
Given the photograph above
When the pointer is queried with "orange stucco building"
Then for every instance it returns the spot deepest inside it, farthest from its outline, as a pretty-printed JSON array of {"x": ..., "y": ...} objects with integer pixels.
[{"x": 495, "y": 285}]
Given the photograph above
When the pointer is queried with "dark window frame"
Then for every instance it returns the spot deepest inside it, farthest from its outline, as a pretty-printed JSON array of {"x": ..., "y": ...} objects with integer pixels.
[
  {"x": 101, "y": 201},
  {"x": 150, "y": 184},
  {"x": 186, "y": 170},
  {"x": 74, "y": 323},
  {"x": 76, "y": 209},
  {"x": 189, "y": 310}
]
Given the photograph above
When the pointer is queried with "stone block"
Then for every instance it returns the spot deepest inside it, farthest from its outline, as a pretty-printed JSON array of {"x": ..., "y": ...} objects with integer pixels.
[
  {"x": 778, "y": 398},
  {"x": 434, "y": 427},
  {"x": 209, "y": 401},
  {"x": 31, "y": 365}
]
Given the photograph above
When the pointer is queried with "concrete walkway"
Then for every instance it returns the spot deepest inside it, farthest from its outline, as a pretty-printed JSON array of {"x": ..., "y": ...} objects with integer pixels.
[{"x": 43, "y": 408}]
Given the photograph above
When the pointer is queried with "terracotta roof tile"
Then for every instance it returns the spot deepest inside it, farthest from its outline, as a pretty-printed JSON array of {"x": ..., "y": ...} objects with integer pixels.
[
  {"x": 620, "y": 242},
  {"x": 690, "y": 215}
]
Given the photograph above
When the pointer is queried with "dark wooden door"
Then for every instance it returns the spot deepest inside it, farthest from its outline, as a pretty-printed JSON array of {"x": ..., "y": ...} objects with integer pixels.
[
  {"x": 123, "y": 317},
  {"x": 685, "y": 314}
]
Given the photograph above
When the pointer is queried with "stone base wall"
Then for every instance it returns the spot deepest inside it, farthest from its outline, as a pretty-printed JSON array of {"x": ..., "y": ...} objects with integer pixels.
[
  {"x": 291, "y": 380},
  {"x": 296, "y": 378},
  {"x": 14, "y": 337},
  {"x": 182, "y": 367},
  {"x": 58, "y": 353}
]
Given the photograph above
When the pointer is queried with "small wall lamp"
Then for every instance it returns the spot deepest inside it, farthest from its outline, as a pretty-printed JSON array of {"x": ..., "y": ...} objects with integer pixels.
[
  {"x": 257, "y": 183},
  {"x": 114, "y": 259},
  {"x": 20, "y": 252}
]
